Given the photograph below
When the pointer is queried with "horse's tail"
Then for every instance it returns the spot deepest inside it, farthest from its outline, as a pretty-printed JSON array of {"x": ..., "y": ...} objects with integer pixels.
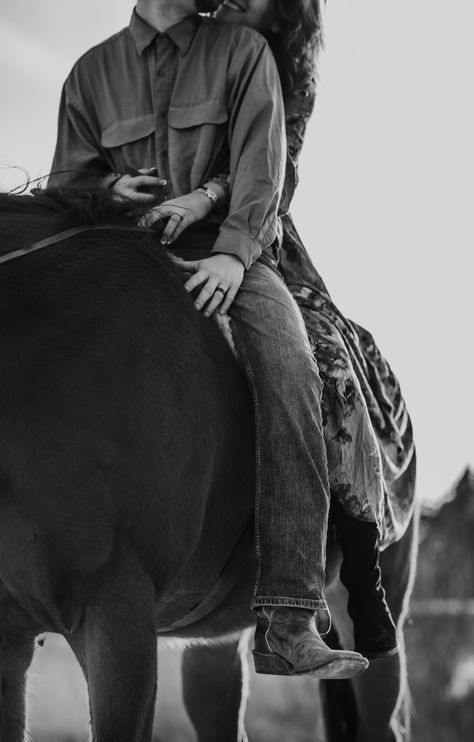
[
  {"x": 398, "y": 564},
  {"x": 402, "y": 722}
]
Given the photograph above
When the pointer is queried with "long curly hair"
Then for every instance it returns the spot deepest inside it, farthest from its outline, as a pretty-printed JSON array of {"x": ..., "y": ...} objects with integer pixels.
[{"x": 297, "y": 44}]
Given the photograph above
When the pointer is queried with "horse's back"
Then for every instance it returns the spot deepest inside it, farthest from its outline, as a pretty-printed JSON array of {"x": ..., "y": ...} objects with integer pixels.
[{"x": 116, "y": 412}]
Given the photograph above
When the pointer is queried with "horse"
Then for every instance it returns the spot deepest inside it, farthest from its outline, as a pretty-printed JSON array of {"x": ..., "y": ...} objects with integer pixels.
[{"x": 127, "y": 474}]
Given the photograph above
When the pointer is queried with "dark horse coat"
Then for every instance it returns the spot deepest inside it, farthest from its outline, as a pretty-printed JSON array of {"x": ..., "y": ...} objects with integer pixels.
[{"x": 126, "y": 461}]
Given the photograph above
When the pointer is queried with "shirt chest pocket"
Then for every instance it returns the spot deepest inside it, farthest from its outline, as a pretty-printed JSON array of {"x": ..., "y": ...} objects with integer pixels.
[
  {"x": 197, "y": 137},
  {"x": 130, "y": 142}
]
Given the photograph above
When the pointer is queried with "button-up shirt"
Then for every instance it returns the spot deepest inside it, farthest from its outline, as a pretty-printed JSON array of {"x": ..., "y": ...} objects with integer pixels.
[{"x": 198, "y": 100}]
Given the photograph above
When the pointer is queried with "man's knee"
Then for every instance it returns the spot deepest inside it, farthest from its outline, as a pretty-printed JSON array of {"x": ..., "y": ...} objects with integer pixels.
[
  {"x": 279, "y": 360},
  {"x": 264, "y": 305}
]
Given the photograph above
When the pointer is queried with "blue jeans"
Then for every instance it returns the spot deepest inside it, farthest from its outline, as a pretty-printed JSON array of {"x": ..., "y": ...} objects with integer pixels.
[{"x": 292, "y": 487}]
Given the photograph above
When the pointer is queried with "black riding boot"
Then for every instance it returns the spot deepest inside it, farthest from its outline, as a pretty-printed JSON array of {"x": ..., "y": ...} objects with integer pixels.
[{"x": 375, "y": 634}]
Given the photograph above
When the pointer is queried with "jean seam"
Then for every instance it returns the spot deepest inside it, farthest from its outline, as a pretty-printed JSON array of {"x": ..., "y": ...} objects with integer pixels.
[
  {"x": 253, "y": 390},
  {"x": 267, "y": 600},
  {"x": 259, "y": 293},
  {"x": 271, "y": 295}
]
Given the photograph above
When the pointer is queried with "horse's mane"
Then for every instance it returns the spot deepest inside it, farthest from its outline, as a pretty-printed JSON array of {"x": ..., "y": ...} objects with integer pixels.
[
  {"x": 46, "y": 212},
  {"x": 46, "y": 274},
  {"x": 87, "y": 206}
]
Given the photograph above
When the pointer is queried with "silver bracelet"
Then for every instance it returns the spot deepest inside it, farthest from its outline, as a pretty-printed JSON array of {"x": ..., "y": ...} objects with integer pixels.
[{"x": 210, "y": 194}]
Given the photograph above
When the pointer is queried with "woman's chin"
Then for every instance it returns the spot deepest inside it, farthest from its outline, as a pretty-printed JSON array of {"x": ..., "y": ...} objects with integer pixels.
[{"x": 230, "y": 14}]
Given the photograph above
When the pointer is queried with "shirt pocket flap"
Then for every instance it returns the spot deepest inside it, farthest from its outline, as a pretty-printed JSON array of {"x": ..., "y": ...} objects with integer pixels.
[
  {"x": 122, "y": 132},
  {"x": 208, "y": 112}
]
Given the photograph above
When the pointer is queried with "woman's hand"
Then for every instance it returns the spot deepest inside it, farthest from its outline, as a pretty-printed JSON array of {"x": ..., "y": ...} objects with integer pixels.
[
  {"x": 130, "y": 186},
  {"x": 220, "y": 277},
  {"x": 181, "y": 212}
]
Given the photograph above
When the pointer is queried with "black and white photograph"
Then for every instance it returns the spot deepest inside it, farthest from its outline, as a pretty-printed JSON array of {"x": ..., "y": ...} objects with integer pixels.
[{"x": 236, "y": 371}]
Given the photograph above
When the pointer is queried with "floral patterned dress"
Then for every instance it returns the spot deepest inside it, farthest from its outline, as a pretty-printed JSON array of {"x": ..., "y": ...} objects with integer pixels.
[{"x": 367, "y": 428}]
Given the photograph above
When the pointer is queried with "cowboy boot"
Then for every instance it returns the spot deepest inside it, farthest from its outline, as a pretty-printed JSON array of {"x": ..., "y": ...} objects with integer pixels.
[
  {"x": 287, "y": 642},
  {"x": 375, "y": 634}
]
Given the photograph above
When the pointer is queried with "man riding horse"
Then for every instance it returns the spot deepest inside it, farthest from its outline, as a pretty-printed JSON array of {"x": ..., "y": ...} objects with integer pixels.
[{"x": 163, "y": 105}]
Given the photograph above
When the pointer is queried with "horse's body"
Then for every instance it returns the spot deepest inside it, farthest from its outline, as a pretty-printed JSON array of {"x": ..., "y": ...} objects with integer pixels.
[{"x": 126, "y": 469}]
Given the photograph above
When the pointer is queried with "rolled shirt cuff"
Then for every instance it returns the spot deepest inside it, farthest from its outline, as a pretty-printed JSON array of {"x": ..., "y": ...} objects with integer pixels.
[{"x": 247, "y": 248}]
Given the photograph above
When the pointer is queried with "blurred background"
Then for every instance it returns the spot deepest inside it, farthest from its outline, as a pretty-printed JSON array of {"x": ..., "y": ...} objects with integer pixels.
[{"x": 385, "y": 207}]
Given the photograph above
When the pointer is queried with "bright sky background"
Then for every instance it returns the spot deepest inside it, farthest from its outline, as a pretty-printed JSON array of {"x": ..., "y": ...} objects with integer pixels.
[{"x": 385, "y": 202}]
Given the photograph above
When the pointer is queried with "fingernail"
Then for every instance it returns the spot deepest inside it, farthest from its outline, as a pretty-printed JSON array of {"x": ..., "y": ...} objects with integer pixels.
[
  {"x": 163, "y": 242},
  {"x": 163, "y": 182},
  {"x": 198, "y": 306}
]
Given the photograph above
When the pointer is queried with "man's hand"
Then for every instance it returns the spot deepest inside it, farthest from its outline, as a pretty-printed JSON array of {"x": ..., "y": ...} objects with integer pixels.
[
  {"x": 220, "y": 277},
  {"x": 129, "y": 186},
  {"x": 181, "y": 212}
]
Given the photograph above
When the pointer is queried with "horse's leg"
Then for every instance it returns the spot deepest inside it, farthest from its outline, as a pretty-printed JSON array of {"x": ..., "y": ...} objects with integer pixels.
[
  {"x": 115, "y": 644},
  {"x": 382, "y": 691},
  {"x": 215, "y": 690}
]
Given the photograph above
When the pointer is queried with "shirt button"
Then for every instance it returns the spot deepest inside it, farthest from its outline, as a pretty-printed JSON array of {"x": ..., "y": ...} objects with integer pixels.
[
  {"x": 164, "y": 153},
  {"x": 164, "y": 114}
]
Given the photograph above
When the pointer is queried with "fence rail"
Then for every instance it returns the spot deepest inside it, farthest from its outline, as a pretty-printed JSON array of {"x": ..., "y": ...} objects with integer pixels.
[{"x": 442, "y": 607}]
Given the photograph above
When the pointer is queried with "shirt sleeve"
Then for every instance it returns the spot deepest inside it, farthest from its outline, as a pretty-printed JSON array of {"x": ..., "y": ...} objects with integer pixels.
[
  {"x": 298, "y": 110},
  {"x": 257, "y": 153},
  {"x": 78, "y": 158}
]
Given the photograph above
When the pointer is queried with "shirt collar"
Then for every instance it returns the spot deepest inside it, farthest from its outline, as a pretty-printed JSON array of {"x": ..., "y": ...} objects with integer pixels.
[{"x": 181, "y": 34}]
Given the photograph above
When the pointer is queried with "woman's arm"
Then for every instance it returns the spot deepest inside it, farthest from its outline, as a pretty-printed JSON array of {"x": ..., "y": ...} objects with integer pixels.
[{"x": 183, "y": 211}]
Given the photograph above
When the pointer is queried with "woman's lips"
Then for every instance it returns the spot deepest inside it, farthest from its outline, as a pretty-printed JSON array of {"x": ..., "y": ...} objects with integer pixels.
[{"x": 233, "y": 5}]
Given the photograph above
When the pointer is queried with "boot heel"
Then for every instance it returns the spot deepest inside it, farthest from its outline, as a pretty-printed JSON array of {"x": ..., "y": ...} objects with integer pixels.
[{"x": 271, "y": 664}]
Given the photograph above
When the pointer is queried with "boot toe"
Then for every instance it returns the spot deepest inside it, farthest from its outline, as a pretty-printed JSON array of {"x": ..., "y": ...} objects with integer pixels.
[{"x": 339, "y": 668}]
